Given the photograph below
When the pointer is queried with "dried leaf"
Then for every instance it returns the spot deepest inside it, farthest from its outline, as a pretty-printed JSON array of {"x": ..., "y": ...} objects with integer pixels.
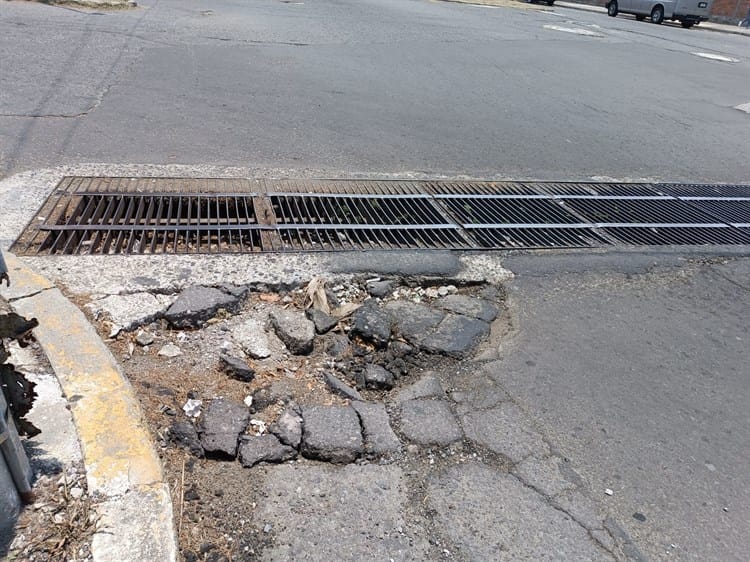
[
  {"x": 345, "y": 310},
  {"x": 316, "y": 295},
  {"x": 270, "y": 297}
]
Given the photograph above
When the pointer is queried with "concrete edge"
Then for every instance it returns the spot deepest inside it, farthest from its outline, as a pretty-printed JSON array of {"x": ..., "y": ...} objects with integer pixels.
[
  {"x": 94, "y": 4},
  {"x": 123, "y": 470}
]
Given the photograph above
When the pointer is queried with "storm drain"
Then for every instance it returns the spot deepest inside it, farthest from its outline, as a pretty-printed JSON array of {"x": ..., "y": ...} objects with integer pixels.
[{"x": 177, "y": 215}]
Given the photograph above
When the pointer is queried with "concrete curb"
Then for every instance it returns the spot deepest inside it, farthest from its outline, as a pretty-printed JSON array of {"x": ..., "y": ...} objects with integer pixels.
[
  {"x": 710, "y": 26},
  {"x": 95, "y": 4},
  {"x": 122, "y": 469}
]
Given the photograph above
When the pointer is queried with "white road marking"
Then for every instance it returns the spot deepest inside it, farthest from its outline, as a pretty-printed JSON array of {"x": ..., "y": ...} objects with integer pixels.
[
  {"x": 720, "y": 58},
  {"x": 743, "y": 107},
  {"x": 575, "y": 30}
]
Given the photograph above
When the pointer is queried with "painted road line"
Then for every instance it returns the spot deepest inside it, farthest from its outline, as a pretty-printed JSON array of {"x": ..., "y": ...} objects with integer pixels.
[
  {"x": 575, "y": 30},
  {"x": 712, "y": 56}
]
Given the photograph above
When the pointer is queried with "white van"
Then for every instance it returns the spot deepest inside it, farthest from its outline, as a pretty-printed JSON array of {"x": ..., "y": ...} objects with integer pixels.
[{"x": 687, "y": 12}]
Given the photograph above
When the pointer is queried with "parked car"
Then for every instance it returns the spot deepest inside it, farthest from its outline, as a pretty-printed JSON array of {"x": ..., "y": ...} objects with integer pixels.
[{"x": 687, "y": 12}]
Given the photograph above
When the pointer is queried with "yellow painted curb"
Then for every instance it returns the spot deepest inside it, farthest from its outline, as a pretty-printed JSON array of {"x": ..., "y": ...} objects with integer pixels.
[{"x": 117, "y": 452}]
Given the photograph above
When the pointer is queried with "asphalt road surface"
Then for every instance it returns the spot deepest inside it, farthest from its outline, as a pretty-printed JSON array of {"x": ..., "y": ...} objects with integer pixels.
[{"x": 373, "y": 86}]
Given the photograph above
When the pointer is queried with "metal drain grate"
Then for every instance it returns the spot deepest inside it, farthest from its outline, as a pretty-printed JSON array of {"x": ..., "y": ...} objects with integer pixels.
[{"x": 179, "y": 215}]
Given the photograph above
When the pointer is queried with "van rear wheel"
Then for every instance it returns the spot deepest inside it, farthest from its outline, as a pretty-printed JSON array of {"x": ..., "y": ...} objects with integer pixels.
[
  {"x": 612, "y": 9},
  {"x": 657, "y": 15}
]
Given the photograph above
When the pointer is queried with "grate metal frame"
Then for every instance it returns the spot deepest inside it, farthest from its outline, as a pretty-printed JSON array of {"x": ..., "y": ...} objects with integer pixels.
[{"x": 100, "y": 215}]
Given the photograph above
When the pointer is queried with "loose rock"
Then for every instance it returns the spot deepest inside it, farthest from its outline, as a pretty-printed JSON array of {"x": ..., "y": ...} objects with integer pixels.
[
  {"x": 340, "y": 387},
  {"x": 378, "y": 378},
  {"x": 380, "y": 439},
  {"x": 252, "y": 338},
  {"x": 323, "y": 322},
  {"x": 429, "y": 422},
  {"x": 296, "y": 331},
  {"x": 264, "y": 448},
  {"x": 288, "y": 428},
  {"x": 331, "y": 433},
  {"x": 372, "y": 324},
  {"x": 237, "y": 368},
  {"x": 144, "y": 338},
  {"x": 185, "y": 435},
  {"x": 197, "y": 304},
  {"x": 223, "y": 422},
  {"x": 380, "y": 289},
  {"x": 170, "y": 351}
]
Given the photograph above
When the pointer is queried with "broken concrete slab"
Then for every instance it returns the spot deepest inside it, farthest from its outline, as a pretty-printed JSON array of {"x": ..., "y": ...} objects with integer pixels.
[
  {"x": 294, "y": 329},
  {"x": 340, "y": 387},
  {"x": 237, "y": 368},
  {"x": 252, "y": 338},
  {"x": 255, "y": 449},
  {"x": 505, "y": 431},
  {"x": 222, "y": 424},
  {"x": 371, "y": 323},
  {"x": 378, "y": 378},
  {"x": 131, "y": 311},
  {"x": 380, "y": 439},
  {"x": 353, "y": 512},
  {"x": 455, "y": 336},
  {"x": 331, "y": 433},
  {"x": 468, "y": 306},
  {"x": 197, "y": 304},
  {"x": 429, "y": 422},
  {"x": 491, "y": 515},
  {"x": 323, "y": 322},
  {"x": 428, "y": 386},
  {"x": 413, "y": 321},
  {"x": 288, "y": 427}
]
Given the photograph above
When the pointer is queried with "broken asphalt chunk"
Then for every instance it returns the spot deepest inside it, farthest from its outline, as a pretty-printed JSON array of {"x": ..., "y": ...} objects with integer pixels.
[
  {"x": 331, "y": 433},
  {"x": 372, "y": 324},
  {"x": 294, "y": 329},
  {"x": 468, "y": 306},
  {"x": 197, "y": 304},
  {"x": 237, "y": 368},
  {"x": 380, "y": 439},
  {"x": 288, "y": 427},
  {"x": 340, "y": 387},
  {"x": 263, "y": 448},
  {"x": 185, "y": 435},
  {"x": 323, "y": 322},
  {"x": 223, "y": 422},
  {"x": 378, "y": 378},
  {"x": 429, "y": 422}
]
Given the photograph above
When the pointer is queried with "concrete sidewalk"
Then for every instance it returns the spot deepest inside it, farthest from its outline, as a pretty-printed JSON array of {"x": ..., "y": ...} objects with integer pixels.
[{"x": 711, "y": 26}]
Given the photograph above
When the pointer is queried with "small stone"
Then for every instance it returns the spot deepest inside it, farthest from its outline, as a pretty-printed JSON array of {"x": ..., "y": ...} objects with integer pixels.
[
  {"x": 252, "y": 338},
  {"x": 340, "y": 387},
  {"x": 331, "y": 433},
  {"x": 372, "y": 324},
  {"x": 267, "y": 528},
  {"x": 170, "y": 351},
  {"x": 237, "y": 368},
  {"x": 442, "y": 291},
  {"x": 76, "y": 493},
  {"x": 429, "y": 422},
  {"x": 400, "y": 348},
  {"x": 380, "y": 439},
  {"x": 323, "y": 322},
  {"x": 431, "y": 292},
  {"x": 380, "y": 289},
  {"x": 144, "y": 338},
  {"x": 223, "y": 422},
  {"x": 264, "y": 448},
  {"x": 608, "y": 491},
  {"x": 378, "y": 378},
  {"x": 296, "y": 331},
  {"x": 338, "y": 345},
  {"x": 197, "y": 304},
  {"x": 288, "y": 427}
]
